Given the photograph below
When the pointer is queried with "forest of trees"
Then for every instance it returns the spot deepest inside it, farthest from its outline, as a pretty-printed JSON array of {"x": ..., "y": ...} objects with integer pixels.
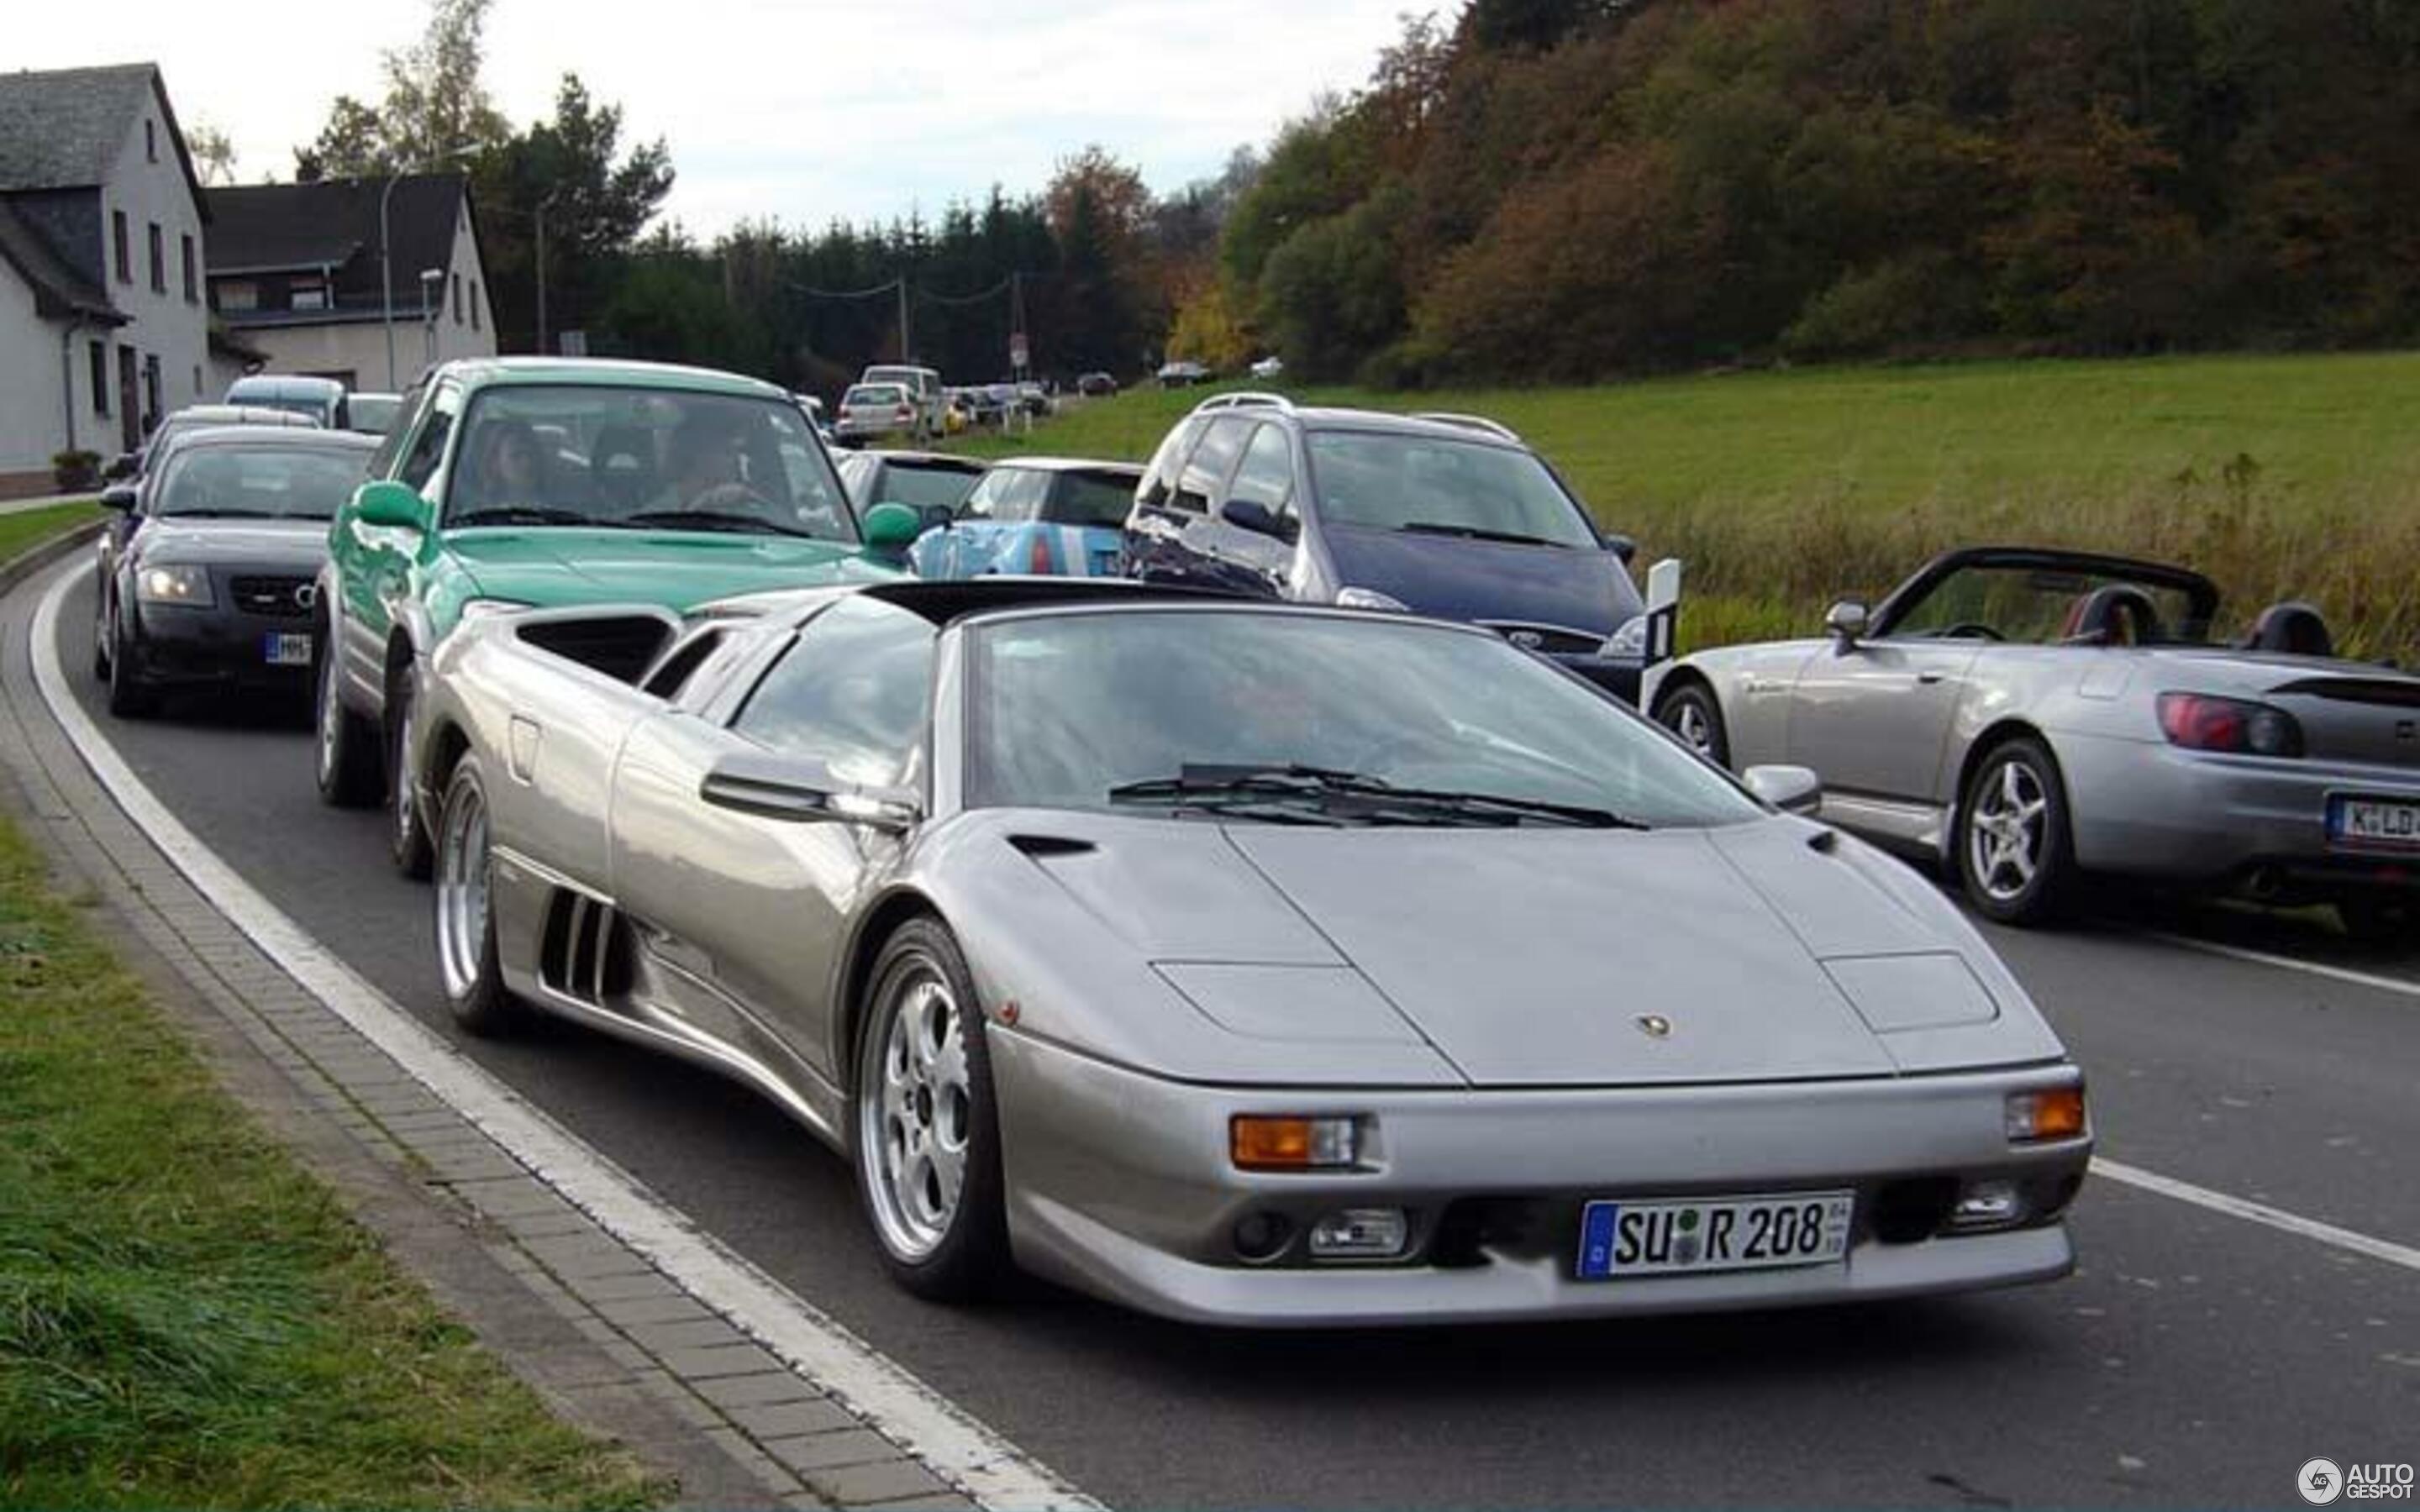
[
  {"x": 1573, "y": 189},
  {"x": 1560, "y": 189}
]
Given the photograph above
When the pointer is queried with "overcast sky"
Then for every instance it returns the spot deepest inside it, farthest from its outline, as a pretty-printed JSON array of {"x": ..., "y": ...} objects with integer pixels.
[{"x": 802, "y": 110}]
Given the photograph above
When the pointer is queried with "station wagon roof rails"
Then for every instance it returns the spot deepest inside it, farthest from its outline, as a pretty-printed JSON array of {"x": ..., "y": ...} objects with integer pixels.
[
  {"x": 1246, "y": 398},
  {"x": 1493, "y": 427}
]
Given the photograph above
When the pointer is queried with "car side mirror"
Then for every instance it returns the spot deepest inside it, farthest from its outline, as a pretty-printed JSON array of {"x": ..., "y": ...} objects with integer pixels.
[
  {"x": 798, "y": 791},
  {"x": 1846, "y": 621},
  {"x": 1254, "y": 515},
  {"x": 391, "y": 504},
  {"x": 1791, "y": 789},
  {"x": 934, "y": 517},
  {"x": 1621, "y": 547},
  {"x": 120, "y": 466},
  {"x": 118, "y": 496},
  {"x": 892, "y": 527}
]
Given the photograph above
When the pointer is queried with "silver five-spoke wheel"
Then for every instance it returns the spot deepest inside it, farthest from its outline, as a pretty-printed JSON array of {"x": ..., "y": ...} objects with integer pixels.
[{"x": 2005, "y": 836}]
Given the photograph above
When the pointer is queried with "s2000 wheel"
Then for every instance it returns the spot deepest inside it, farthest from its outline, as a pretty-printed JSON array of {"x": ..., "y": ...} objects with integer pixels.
[
  {"x": 2014, "y": 852},
  {"x": 925, "y": 1133}
]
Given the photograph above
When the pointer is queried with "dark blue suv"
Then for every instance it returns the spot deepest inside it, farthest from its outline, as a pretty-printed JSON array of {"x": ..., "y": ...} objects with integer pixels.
[{"x": 1443, "y": 514}]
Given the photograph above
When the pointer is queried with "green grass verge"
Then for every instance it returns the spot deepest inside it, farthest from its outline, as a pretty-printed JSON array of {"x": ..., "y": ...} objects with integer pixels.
[
  {"x": 187, "y": 1318},
  {"x": 2280, "y": 476},
  {"x": 31, "y": 527}
]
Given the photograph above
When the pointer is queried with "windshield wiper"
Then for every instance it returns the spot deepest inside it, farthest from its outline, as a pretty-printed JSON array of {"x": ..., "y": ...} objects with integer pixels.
[
  {"x": 1473, "y": 532},
  {"x": 705, "y": 520},
  {"x": 218, "y": 514},
  {"x": 520, "y": 515},
  {"x": 1351, "y": 796}
]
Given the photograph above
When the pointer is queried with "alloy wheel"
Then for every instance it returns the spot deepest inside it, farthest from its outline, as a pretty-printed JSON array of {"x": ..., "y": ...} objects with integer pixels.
[
  {"x": 462, "y": 897},
  {"x": 2005, "y": 832},
  {"x": 916, "y": 1125}
]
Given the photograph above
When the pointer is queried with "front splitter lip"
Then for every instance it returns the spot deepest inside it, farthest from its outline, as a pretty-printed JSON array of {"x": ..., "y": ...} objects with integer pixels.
[{"x": 1118, "y": 1184}]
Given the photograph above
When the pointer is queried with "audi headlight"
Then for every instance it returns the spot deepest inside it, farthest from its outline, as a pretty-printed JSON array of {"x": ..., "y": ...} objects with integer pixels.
[
  {"x": 1370, "y": 598},
  {"x": 1628, "y": 639},
  {"x": 174, "y": 584}
]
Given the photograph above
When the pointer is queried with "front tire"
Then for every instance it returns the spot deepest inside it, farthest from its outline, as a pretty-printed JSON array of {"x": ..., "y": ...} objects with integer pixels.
[
  {"x": 130, "y": 695},
  {"x": 407, "y": 844},
  {"x": 464, "y": 894},
  {"x": 346, "y": 758},
  {"x": 2015, "y": 852},
  {"x": 1691, "y": 712},
  {"x": 926, "y": 1132}
]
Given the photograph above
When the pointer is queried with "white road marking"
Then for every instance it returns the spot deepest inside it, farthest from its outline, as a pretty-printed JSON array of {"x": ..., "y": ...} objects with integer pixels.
[
  {"x": 2287, "y": 963},
  {"x": 2258, "y": 1213},
  {"x": 944, "y": 1437}
]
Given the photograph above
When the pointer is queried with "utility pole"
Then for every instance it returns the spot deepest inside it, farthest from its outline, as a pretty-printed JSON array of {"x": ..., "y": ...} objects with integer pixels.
[
  {"x": 1016, "y": 321},
  {"x": 904, "y": 355},
  {"x": 541, "y": 268}
]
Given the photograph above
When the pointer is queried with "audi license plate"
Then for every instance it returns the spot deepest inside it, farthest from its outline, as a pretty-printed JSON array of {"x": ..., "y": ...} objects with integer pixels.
[
  {"x": 2373, "y": 823},
  {"x": 286, "y": 650},
  {"x": 1700, "y": 1234}
]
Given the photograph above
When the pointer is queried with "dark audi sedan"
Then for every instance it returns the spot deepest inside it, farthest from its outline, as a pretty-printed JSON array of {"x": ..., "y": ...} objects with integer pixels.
[{"x": 208, "y": 580}]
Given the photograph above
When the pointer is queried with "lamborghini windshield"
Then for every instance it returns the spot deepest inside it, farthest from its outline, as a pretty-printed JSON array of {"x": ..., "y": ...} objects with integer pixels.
[{"x": 1312, "y": 718}]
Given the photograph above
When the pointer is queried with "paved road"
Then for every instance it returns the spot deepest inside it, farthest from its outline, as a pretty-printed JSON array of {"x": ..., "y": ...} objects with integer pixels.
[{"x": 2198, "y": 1358}]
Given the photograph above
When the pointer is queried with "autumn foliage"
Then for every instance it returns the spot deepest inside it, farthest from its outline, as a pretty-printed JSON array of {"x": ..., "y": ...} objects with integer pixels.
[{"x": 1576, "y": 189}]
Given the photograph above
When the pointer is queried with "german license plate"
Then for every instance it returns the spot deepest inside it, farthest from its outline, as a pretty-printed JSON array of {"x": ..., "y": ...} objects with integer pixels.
[
  {"x": 2373, "y": 823},
  {"x": 1704, "y": 1234},
  {"x": 286, "y": 650}
]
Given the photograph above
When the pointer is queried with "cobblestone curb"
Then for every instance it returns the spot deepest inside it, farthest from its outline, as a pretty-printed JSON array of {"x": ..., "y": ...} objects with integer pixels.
[{"x": 614, "y": 1342}]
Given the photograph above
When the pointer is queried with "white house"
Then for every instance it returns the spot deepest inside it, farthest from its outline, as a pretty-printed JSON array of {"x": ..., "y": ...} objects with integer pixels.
[
  {"x": 103, "y": 321},
  {"x": 294, "y": 271}
]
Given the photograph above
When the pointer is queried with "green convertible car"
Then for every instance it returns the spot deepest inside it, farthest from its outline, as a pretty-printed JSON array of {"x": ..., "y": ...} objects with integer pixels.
[{"x": 511, "y": 482}]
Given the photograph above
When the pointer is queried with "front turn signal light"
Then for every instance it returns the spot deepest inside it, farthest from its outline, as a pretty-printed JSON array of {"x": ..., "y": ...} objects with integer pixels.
[
  {"x": 1267, "y": 1142},
  {"x": 2055, "y": 1114}
]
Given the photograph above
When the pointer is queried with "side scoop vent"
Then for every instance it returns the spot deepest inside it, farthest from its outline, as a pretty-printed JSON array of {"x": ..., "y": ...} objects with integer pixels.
[{"x": 587, "y": 952}]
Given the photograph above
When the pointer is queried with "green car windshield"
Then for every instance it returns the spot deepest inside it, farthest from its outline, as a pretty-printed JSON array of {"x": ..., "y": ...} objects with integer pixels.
[{"x": 646, "y": 458}]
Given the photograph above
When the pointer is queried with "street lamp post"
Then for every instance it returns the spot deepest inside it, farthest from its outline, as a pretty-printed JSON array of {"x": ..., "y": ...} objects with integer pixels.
[
  {"x": 386, "y": 278},
  {"x": 430, "y": 277}
]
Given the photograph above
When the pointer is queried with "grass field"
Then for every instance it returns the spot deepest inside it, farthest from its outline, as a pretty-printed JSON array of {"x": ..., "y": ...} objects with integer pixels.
[
  {"x": 187, "y": 1318},
  {"x": 28, "y": 527},
  {"x": 2280, "y": 476}
]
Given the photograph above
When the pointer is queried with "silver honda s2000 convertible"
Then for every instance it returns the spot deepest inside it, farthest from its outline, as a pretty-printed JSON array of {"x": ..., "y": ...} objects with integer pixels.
[{"x": 1243, "y": 963}]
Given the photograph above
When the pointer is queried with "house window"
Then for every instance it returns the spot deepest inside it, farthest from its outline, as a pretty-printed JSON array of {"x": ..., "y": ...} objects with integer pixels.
[
  {"x": 458, "y": 298},
  {"x": 151, "y": 141},
  {"x": 193, "y": 274},
  {"x": 158, "y": 261},
  {"x": 99, "y": 378},
  {"x": 198, "y": 381},
  {"x": 237, "y": 294},
  {"x": 474, "y": 304},
  {"x": 118, "y": 236},
  {"x": 150, "y": 391},
  {"x": 310, "y": 296}
]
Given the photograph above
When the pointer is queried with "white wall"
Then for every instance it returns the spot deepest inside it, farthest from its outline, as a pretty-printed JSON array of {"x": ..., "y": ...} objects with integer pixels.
[
  {"x": 165, "y": 325},
  {"x": 32, "y": 423},
  {"x": 361, "y": 348}
]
